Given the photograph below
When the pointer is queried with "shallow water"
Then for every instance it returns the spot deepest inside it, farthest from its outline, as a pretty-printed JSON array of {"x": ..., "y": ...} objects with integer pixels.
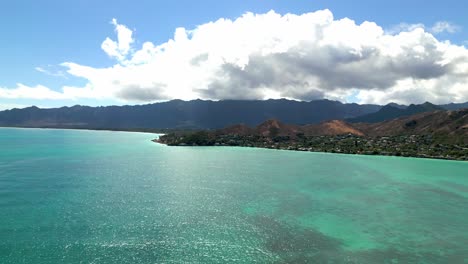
[{"x": 70, "y": 196}]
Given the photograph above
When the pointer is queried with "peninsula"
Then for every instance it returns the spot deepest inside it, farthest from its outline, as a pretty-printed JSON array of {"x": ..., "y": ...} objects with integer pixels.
[{"x": 438, "y": 134}]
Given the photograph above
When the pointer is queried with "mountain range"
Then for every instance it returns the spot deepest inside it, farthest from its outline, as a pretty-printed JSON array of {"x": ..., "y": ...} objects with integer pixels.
[
  {"x": 204, "y": 114},
  {"x": 391, "y": 111},
  {"x": 446, "y": 126}
]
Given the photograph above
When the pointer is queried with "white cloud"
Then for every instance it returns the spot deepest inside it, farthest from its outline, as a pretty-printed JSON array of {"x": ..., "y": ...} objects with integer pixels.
[
  {"x": 26, "y": 92},
  {"x": 402, "y": 27},
  {"x": 51, "y": 73},
  {"x": 118, "y": 49},
  {"x": 258, "y": 56},
  {"x": 438, "y": 28},
  {"x": 444, "y": 26}
]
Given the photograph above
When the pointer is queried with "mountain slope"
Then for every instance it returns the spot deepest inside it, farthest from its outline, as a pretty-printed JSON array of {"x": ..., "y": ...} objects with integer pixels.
[
  {"x": 447, "y": 126},
  {"x": 184, "y": 114},
  {"x": 438, "y": 134},
  {"x": 331, "y": 128},
  {"x": 390, "y": 111},
  {"x": 273, "y": 128},
  {"x": 453, "y": 106}
]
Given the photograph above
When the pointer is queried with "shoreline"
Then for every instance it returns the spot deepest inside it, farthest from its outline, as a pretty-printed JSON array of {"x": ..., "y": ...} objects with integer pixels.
[
  {"x": 158, "y": 141},
  {"x": 90, "y": 129},
  {"x": 161, "y": 132}
]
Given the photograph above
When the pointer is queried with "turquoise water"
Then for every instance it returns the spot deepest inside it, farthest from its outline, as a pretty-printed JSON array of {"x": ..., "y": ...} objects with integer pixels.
[{"x": 114, "y": 197}]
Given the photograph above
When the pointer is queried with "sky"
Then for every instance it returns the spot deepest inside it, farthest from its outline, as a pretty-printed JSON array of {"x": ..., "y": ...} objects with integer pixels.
[{"x": 62, "y": 53}]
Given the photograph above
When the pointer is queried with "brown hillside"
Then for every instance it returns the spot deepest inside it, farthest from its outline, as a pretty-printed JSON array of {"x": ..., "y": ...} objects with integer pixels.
[
  {"x": 274, "y": 127},
  {"x": 446, "y": 126},
  {"x": 331, "y": 128},
  {"x": 449, "y": 124}
]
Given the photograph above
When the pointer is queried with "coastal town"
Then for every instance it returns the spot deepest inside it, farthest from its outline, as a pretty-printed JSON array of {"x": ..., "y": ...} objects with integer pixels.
[{"x": 421, "y": 146}]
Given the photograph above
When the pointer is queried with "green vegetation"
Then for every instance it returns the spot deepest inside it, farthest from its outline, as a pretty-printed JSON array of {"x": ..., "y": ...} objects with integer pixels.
[{"x": 424, "y": 146}]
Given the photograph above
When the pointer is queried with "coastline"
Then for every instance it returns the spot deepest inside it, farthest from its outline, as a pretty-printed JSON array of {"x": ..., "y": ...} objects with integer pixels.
[
  {"x": 162, "y": 132},
  {"x": 158, "y": 141},
  {"x": 148, "y": 131},
  {"x": 324, "y": 152}
]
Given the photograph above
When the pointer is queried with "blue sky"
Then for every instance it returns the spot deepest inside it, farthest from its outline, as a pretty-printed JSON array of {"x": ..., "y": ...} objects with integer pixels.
[{"x": 38, "y": 36}]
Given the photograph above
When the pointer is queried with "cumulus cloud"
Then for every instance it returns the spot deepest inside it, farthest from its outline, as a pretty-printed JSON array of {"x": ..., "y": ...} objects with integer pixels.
[
  {"x": 258, "y": 56},
  {"x": 118, "y": 49},
  {"x": 404, "y": 27}
]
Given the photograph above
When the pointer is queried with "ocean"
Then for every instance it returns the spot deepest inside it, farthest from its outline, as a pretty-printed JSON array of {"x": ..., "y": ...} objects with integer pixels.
[{"x": 71, "y": 196}]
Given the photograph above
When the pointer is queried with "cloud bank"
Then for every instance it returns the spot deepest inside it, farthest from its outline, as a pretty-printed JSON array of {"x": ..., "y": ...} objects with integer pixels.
[{"x": 258, "y": 56}]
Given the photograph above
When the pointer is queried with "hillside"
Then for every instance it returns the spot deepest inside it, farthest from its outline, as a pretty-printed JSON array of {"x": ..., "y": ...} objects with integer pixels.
[
  {"x": 453, "y": 125},
  {"x": 184, "y": 114},
  {"x": 448, "y": 126},
  {"x": 392, "y": 111},
  {"x": 199, "y": 114},
  {"x": 274, "y": 128},
  {"x": 453, "y": 106},
  {"x": 437, "y": 134},
  {"x": 331, "y": 128}
]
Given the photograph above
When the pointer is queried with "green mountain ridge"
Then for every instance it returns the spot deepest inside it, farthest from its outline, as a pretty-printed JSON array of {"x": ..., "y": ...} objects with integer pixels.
[
  {"x": 201, "y": 114},
  {"x": 390, "y": 111}
]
